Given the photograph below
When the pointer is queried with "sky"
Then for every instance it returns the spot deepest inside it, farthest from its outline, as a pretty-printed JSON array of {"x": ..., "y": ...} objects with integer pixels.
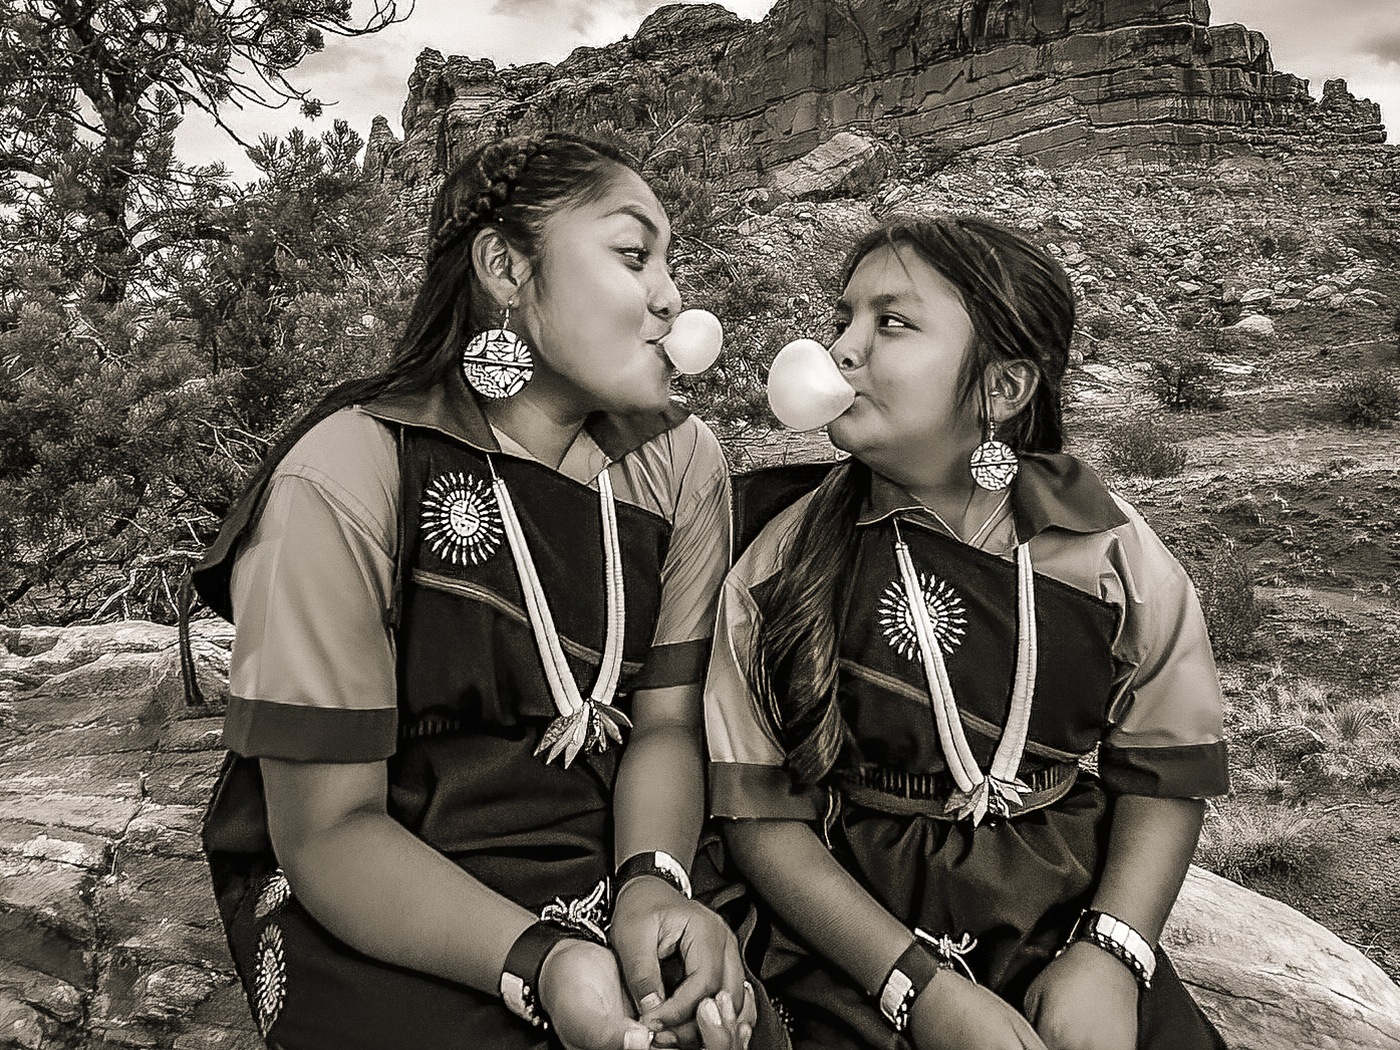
[{"x": 1317, "y": 40}]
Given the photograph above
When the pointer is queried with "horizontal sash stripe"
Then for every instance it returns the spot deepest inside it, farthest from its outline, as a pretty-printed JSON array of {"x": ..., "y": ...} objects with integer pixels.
[
  {"x": 511, "y": 611},
  {"x": 920, "y": 697}
]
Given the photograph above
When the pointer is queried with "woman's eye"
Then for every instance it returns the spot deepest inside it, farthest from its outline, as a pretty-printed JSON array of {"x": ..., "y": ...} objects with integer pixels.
[
  {"x": 840, "y": 324},
  {"x": 890, "y": 321},
  {"x": 637, "y": 256}
]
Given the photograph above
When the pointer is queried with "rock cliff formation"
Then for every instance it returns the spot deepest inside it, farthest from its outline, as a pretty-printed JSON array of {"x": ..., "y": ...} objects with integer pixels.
[
  {"x": 1053, "y": 80},
  {"x": 108, "y": 931}
]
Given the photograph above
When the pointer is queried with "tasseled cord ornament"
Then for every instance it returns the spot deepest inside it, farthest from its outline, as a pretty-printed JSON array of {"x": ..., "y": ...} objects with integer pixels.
[
  {"x": 583, "y": 723},
  {"x": 997, "y": 792}
]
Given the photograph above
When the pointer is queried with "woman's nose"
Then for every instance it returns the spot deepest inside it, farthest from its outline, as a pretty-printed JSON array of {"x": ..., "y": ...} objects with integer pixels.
[
  {"x": 849, "y": 350},
  {"x": 666, "y": 298}
]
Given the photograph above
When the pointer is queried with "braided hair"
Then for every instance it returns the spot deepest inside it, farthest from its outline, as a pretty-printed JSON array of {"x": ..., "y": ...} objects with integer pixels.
[{"x": 513, "y": 185}]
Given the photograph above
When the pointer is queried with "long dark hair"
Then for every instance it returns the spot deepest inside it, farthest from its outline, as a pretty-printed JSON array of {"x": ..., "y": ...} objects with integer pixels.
[
  {"x": 1022, "y": 310},
  {"x": 514, "y": 185}
]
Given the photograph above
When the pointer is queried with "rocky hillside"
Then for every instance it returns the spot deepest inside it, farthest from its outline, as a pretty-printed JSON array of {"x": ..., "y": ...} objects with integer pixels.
[{"x": 1053, "y": 80}]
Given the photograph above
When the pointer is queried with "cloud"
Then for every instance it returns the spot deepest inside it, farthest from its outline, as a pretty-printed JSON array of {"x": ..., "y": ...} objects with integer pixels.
[
  {"x": 578, "y": 15},
  {"x": 1384, "y": 46}
]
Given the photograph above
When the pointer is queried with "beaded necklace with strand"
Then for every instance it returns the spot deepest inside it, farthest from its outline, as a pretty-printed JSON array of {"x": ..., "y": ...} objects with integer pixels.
[
  {"x": 998, "y": 791},
  {"x": 584, "y": 723}
]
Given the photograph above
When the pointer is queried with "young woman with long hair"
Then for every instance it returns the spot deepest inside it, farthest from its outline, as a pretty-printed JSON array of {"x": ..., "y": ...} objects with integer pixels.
[
  {"x": 916, "y": 659},
  {"x": 473, "y": 596}
]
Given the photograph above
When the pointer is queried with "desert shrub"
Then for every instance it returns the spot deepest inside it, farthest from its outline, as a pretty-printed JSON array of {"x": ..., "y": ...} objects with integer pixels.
[
  {"x": 1184, "y": 379},
  {"x": 1226, "y": 589},
  {"x": 1244, "y": 841},
  {"x": 1367, "y": 399},
  {"x": 1145, "y": 446},
  {"x": 1348, "y": 722}
]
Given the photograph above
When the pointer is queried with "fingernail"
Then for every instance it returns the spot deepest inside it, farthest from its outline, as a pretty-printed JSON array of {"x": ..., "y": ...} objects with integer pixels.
[
  {"x": 710, "y": 1012},
  {"x": 666, "y": 1039},
  {"x": 650, "y": 1002},
  {"x": 636, "y": 1039},
  {"x": 745, "y": 1034}
]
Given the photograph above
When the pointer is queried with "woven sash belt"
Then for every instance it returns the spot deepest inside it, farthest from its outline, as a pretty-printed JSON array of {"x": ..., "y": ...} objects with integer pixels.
[{"x": 906, "y": 794}]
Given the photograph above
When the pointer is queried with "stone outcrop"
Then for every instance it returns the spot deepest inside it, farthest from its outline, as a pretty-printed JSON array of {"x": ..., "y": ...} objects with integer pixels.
[
  {"x": 1052, "y": 80},
  {"x": 1272, "y": 978},
  {"x": 108, "y": 931}
]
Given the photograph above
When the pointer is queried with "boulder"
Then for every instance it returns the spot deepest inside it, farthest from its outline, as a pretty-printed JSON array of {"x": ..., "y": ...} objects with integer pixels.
[
  {"x": 846, "y": 165},
  {"x": 1255, "y": 326},
  {"x": 109, "y": 934},
  {"x": 1272, "y": 978}
]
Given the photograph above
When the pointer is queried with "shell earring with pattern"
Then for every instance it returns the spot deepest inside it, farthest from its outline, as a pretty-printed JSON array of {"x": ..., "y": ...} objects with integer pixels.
[
  {"x": 993, "y": 463},
  {"x": 497, "y": 362}
]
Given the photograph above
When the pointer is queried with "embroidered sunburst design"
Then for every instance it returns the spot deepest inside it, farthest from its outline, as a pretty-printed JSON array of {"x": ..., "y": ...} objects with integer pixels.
[
  {"x": 270, "y": 985},
  {"x": 945, "y": 611},
  {"x": 461, "y": 521},
  {"x": 276, "y": 891}
]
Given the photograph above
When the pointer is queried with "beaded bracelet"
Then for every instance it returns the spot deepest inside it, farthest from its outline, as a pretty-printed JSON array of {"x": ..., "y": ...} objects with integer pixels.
[
  {"x": 1119, "y": 939},
  {"x": 657, "y": 863}
]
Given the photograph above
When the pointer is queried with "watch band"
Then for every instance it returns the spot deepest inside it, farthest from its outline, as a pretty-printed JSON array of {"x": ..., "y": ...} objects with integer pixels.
[
  {"x": 1119, "y": 939},
  {"x": 520, "y": 977},
  {"x": 657, "y": 863}
]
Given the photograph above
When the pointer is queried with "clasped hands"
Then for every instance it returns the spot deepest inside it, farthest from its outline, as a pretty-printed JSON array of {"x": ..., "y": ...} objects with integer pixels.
[
  {"x": 1083, "y": 1000},
  {"x": 601, "y": 999}
]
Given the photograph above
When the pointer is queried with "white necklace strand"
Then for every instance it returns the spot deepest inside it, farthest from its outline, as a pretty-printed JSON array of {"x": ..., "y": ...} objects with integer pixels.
[
  {"x": 582, "y": 723},
  {"x": 980, "y": 534},
  {"x": 998, "y": 791}
]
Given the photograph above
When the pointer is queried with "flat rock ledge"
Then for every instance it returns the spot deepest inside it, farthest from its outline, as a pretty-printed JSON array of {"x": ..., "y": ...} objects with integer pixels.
[{"x": 108, "y": 931}]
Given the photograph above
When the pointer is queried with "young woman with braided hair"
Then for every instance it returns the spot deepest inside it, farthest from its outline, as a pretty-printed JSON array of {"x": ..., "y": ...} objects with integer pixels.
[
  {"x": 426, "y": 798},
  {"x": 912, "y": 661}
]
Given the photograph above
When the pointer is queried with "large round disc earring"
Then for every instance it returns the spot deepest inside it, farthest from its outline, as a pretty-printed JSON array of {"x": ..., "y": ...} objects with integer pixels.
[
  {"x": 497, "y": 362},
  {"x": 993, "y": 463}
]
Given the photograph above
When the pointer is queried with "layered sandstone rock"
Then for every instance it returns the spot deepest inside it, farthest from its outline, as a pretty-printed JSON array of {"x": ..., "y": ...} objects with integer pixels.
[
  {"x": 108, "y": 931},
  {"x": 1054, "y": 80}
]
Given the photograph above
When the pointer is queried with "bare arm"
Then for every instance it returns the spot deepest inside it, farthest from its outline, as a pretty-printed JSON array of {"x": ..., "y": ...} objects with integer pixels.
[
  {"x": 1150, "y": 847},
  {"x": 791, "y": 868},
  {"x": 659, "y": 805},
  {"x": 660, "y": 793},
  {"x": 1086, "y": 999},
  {"x": 376, "y": 886}
]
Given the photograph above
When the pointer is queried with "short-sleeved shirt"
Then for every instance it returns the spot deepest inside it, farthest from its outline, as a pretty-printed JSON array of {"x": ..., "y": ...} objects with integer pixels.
[
  {"x": 1163, "y": 731},
  {"x": 313, "y": 669}
]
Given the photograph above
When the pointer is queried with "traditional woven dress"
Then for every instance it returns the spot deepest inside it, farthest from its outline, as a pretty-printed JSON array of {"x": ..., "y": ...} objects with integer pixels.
[
  {"x": 380, "y": 617},
  {"x": 1124, "y": 680}
]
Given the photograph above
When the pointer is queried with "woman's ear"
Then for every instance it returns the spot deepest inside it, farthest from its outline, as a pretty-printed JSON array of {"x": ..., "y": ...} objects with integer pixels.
[
  {"x": 1010, "y": 385},
  {"x": 499, "y": 267}
]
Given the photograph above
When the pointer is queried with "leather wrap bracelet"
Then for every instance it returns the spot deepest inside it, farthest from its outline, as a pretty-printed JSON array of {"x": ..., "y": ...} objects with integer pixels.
[
  {"x": 657, "y": 863},
  {"x": 520, "y": 978},
  {"x": 919, "y": 965}
]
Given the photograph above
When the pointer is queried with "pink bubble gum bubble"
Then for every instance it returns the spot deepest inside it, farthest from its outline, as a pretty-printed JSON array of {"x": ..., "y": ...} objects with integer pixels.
[
  {"x": 694, "y": 341},
  {"x": 805, "y": 388}
]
